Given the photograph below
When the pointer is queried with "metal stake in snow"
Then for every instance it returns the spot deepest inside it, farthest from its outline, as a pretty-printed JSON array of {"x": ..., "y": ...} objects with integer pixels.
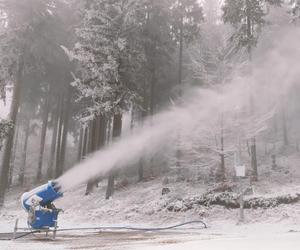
[
  {"x": 242, "y": 216},
  {"x": 240, "y": 171}
]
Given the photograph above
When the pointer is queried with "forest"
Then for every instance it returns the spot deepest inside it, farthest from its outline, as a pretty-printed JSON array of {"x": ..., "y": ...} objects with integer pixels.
[{"x": 78, "y": 76}]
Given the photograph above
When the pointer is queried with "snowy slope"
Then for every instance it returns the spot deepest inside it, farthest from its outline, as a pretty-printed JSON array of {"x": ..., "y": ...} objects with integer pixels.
[{"x": 142, "y": 204}]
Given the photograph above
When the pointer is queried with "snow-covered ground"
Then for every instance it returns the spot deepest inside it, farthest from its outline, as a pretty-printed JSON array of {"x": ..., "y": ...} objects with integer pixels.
[
  {"x": 220, "y": 235},
  {"x": 142, "y": 204}
]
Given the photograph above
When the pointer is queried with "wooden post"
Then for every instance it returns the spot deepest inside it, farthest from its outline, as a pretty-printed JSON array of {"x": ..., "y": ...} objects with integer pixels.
[{"x": 242, "y": 216}]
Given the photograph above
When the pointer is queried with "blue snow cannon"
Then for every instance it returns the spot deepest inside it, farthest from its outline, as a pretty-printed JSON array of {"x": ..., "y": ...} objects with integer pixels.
[{"x": 38, "y": 203}]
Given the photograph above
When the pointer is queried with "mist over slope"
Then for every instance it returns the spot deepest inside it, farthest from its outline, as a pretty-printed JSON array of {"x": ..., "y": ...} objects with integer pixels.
[{"x": 251, "y": 99}]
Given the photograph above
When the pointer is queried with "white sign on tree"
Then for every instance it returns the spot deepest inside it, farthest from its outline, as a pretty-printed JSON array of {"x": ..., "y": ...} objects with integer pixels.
[{"x": 240, "y": 169}]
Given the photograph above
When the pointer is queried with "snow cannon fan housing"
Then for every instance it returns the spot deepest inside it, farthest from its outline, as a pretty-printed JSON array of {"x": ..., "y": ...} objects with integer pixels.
[{"x": 38, "y": 203}]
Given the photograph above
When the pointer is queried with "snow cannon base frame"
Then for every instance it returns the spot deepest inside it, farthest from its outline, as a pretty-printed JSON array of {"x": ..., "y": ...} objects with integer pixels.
[{"x": 20, "y": 232}]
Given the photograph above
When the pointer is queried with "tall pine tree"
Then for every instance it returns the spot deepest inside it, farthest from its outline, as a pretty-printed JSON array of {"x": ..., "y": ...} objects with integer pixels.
[{"x": 247, "y": 16}]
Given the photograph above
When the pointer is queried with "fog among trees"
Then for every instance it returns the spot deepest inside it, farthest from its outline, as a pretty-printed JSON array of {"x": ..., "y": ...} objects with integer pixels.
[{"x": 76, "y": 76}]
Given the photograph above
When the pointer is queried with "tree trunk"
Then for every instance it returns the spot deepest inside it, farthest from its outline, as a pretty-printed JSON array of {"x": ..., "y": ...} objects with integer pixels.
[
  {"x": 221, "y": 175},
  {"x": 13, "y": 159},
  {"x": 58, "y": 140},
  {"x": 97, "y": 133},
  {"x": 102, "y": 133},
  {"x": 90, "y": 138},
  {"x": 66, "y": 119},
  {"x": 284, "y": 125},
  {"x": 144, "y": 115},
  {"x": 4, "y": 178},
  {"x": 43, "y": 139},
  {"x": 98, "y": 138},
  {"x": 178, "y": 144},
  {"x": 152, "y": 94},
  {"x": 109, "y": 129},
  {"x": 80, "y": 145},
  {"x": 180, "y": 56},
  {"x": 53, "y": 142},
  {"x": 24, "y": 153},
  {"x": 254, "y": 176},
  {"x": 249, "y": 26},
  {"x": 110, "y": 185},
  {"x": 102, "y": 137},
  {"x": 85, "y": 142},
  {"x": 117, "y": 129},
  {"x": 152, "y": 102},
  {"x": 92, "y": 144}
]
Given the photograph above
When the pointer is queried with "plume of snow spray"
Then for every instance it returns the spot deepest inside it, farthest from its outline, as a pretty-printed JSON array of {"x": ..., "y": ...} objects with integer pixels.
[{"x": 274, "y": 73}]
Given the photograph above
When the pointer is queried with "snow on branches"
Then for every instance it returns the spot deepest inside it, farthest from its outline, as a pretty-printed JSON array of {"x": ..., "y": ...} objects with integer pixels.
[
  {"x": 106, "y": 53},
  {"x": 5, "y": 127}
]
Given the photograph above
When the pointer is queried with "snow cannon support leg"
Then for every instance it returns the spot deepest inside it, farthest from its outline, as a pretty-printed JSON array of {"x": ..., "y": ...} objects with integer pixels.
[{"x": 15, "y": 229}]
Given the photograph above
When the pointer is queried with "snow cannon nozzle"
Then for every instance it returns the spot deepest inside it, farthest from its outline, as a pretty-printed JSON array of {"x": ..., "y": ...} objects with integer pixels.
[{"x": 56, "y": 186}]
